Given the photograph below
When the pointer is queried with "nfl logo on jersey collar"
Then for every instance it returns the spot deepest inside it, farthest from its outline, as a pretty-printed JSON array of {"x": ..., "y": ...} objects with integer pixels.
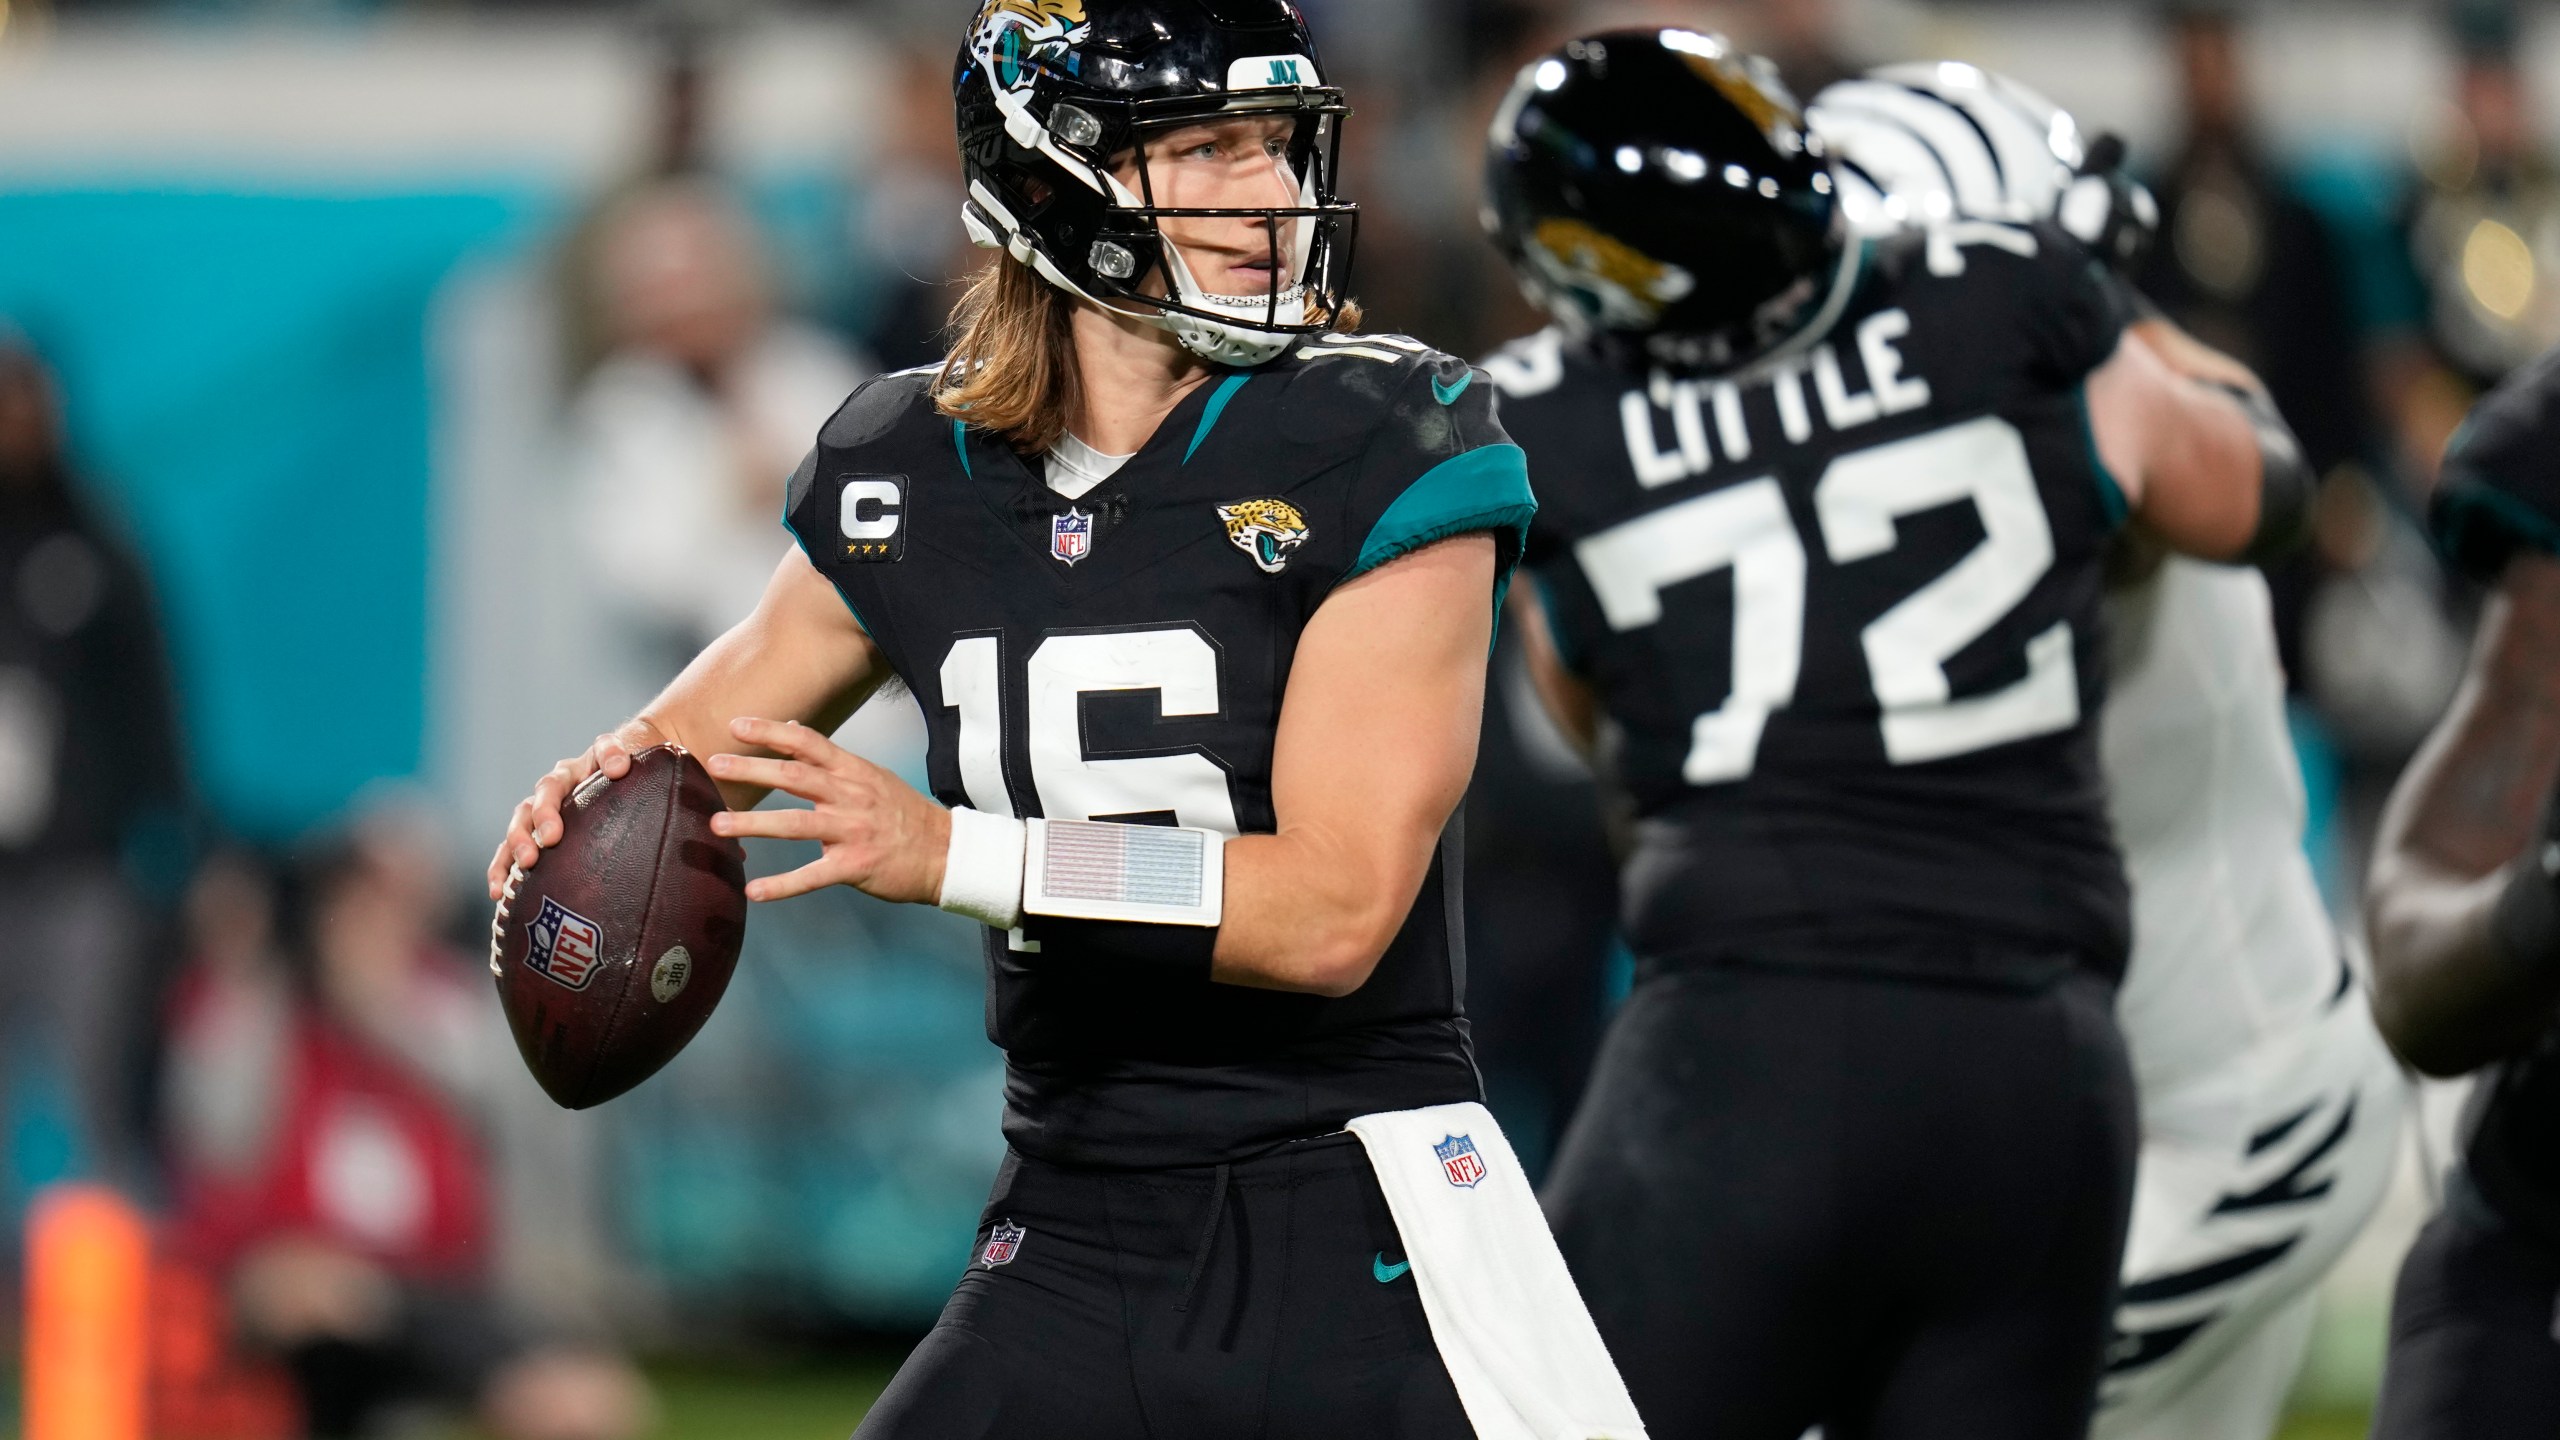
[
  {"x": 1459, "y": 1160},
  {"x": 1070, "y": 536}
]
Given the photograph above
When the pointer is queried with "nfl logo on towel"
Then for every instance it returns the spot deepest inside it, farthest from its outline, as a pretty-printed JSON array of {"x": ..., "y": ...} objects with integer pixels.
[
  {"x": 1459, "y": 1160},
  {"x": 1002, "y": 1242},
  {"x": 565, "y": 945},
  {"x": 1071, "y": 536}
]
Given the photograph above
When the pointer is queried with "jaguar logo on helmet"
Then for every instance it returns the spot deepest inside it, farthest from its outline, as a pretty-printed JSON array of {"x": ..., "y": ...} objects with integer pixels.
[
  {"x": 1268, "y": 530},
  {"x": 1622, "y": 287},
  {"x": 1012, "y": 38}
]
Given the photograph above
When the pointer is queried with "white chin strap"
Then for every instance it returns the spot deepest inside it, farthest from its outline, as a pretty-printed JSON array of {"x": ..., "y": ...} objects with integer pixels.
[{"x": 1221, "y": 343}]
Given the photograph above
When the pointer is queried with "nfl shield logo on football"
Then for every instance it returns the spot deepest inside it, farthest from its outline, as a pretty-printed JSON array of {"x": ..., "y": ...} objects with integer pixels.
[
  {"x": 1459, "y": 1160},
  {"x": 1071, "y": 536},
  {"x": 566, "y": 945},
  {"x": 1003, "y": 1242}
]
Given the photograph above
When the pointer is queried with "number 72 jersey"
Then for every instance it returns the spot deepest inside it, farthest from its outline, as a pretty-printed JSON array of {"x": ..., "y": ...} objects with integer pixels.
[{"x": 1844, "y": 617}]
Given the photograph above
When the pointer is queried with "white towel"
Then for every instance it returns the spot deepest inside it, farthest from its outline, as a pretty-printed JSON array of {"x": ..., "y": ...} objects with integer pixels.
[{"x": 1522, "y": 1350}]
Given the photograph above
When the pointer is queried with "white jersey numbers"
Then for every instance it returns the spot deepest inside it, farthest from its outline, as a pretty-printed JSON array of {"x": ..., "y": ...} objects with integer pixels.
[
  {"x": 1178, "y": 663},
  {"x": 1747, "y": 528},
  {"x": 973, "y": 684},
  {"x": 1856, "y": 504},
  {"x": 1908, "y": 646}
]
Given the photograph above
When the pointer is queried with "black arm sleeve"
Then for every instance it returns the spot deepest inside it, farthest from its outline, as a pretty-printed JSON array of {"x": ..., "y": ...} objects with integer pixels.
[{"x": 2285, "y": 480}]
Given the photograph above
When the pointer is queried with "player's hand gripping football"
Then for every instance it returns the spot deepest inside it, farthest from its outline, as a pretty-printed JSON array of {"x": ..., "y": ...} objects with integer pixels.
[
  {"x": 877, "y": 834},
  {"x": 536, "y": 824}
]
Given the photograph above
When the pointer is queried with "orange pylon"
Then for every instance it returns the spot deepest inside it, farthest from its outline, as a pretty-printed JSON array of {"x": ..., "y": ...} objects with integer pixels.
[{"x": 88, "y": 1277}]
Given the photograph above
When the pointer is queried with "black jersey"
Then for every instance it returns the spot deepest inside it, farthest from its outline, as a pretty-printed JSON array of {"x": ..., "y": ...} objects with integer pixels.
[
  {"x": 2500, "y": 497},
  {"x": 2500, "y": 487},
  {"x": 1844, "y": 617},
  {"x": 1123, "y": 656}
]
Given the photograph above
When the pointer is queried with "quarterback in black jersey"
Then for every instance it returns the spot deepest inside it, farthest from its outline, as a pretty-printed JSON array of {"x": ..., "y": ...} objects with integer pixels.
[
  {"x": 1193, "y": 587},
  {"x": 2464, "y": 910},
  {"x": 1822, "y": 531}
]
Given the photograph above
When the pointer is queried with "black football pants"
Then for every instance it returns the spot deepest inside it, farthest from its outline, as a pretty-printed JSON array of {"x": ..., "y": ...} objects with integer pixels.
[
  {"x": 1268, "y": 1300},
  {"x": 2475, "y": 1332},
  {"x": 1889, "y": 1208}
]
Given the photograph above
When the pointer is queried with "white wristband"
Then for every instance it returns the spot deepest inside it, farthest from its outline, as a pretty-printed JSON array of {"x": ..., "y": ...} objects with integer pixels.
[{"x": 982, "y": 871}]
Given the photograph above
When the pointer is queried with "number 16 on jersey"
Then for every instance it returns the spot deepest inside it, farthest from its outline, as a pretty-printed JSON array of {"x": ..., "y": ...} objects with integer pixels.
[{"x": 1177, "y": 662}]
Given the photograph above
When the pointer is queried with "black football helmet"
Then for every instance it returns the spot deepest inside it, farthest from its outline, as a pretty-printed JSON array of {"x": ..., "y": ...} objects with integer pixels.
[
  {"x": 1051, "y": 92},
  {"x": 1658, "y": 193}
]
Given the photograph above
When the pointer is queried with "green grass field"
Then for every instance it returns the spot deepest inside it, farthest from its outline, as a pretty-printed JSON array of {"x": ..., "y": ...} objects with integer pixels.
[
  {"x": 816, "y": 1401},
  {"x": 800, "y": 1402},
  {"x": 701, "y": 1403},
  {"x": 2327, "y": 1425}
]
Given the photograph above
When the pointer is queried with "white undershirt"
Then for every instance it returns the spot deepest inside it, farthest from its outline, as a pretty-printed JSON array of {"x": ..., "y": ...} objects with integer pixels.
[{"x": 1075, "y": 467}]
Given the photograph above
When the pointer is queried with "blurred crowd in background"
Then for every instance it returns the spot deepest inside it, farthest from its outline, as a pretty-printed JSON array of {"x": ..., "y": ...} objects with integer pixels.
[{"x": 393, "y": 394}]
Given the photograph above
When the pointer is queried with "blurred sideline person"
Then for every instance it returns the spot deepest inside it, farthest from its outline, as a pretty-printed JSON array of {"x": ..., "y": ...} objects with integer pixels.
[
  {"x": 1162, "y": 541},
  {"x": 323, "y": 1164},
  {"x": 2464, "y": 909},
  {"x": 2245, "y": 264},
  {"x": 684, "y": 39},
  {"x": 705, "y": 395},
  {"x": 2483, "y": 227},
  {"x": 91, "y": 782},
  {"x": 1823, "y": 529},
  {"x": 2270, "y": 1108},
  {"x": 2249, "y": 267},
  {"x": 904, "y": 230}
]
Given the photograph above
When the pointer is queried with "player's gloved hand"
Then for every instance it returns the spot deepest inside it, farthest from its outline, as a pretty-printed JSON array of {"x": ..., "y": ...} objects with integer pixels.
[
  {"x": 875, "y": 832},
  {"x": 536, "y": 824},
  {"x": 2111, "y": 212}
]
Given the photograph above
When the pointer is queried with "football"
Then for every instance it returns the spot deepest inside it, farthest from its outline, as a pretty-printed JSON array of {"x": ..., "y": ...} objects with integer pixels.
[{"x": 611, "y": 953}]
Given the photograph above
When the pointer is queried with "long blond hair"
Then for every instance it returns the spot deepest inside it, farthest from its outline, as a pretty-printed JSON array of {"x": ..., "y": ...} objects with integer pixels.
[{"x": 1012, "y": 364}]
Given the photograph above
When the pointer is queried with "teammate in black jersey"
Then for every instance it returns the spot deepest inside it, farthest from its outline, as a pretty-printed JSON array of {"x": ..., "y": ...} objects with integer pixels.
[
  {"x": 1821, "y": 536},
  {"x": 2464, "y": 910},
  {"x": 1161, "y": 549}
]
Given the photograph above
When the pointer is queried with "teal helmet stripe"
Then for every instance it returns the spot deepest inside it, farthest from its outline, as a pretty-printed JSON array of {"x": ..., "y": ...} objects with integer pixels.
[{"x": 1009, "y": 59}]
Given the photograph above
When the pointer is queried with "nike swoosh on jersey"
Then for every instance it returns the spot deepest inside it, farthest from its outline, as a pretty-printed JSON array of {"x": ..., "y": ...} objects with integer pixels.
[
  {"x": 1448, "y": 394},
  {"x": 1388, "y": 1274}
]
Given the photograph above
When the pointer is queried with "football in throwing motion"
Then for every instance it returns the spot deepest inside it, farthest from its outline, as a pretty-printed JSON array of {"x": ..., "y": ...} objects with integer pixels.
[{"x": 612, "y": 953}]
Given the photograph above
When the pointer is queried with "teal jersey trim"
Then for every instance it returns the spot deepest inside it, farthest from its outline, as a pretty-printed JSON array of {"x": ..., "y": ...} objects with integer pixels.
[
  {"x": 1216, "y": 407},
  {"x": 1484, "y": 489},
  {"x": 960, "y": 442},
  {"x": 2110, "y": 492},
  {"x": 803, "y": 542},
  {"x": 2467, "y": 503}
]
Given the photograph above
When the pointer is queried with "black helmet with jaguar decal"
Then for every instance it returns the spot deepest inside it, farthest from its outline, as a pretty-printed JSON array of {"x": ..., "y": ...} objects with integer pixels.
[
  {"x": 1052, "y": 92},
  {"x": 1658, "y": 193}
]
